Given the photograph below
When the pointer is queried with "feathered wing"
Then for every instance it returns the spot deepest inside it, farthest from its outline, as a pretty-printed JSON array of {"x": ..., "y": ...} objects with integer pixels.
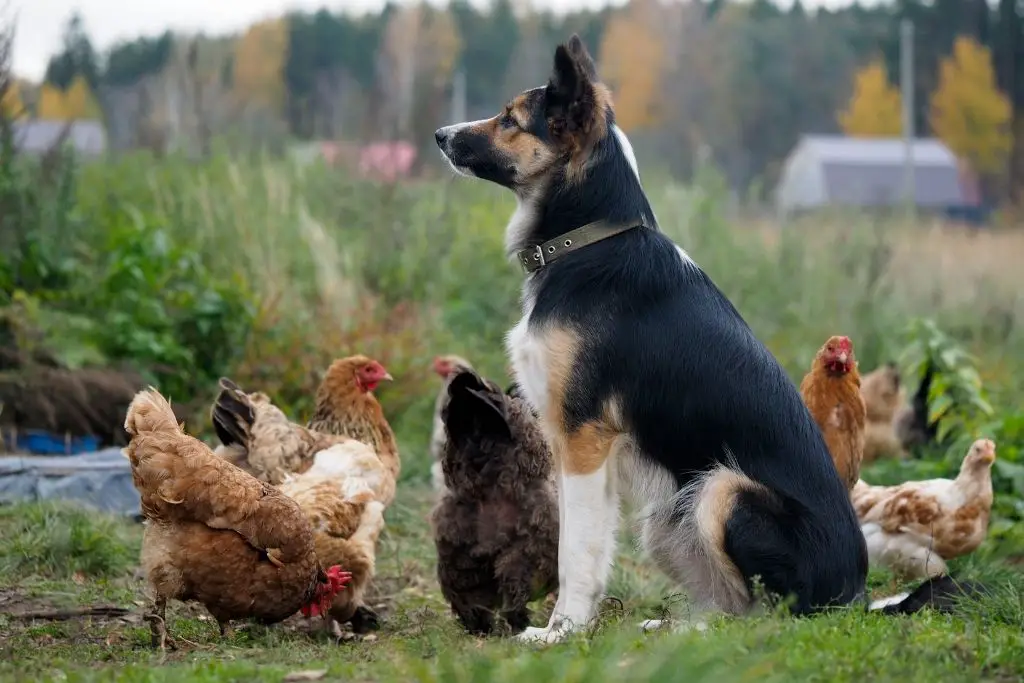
[
  {"x": 273, "y": 445},
  {"x": 180, "y": 479}
]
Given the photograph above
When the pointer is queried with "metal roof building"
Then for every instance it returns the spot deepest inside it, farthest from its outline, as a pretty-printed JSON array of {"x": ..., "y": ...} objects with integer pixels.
[
  {"x": 87, "y": 137},
  {"x": 833, "y": 170}
]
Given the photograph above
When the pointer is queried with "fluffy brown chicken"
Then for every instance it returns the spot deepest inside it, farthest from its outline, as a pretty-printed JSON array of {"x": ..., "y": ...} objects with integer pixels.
[
  {"x": 215, "y": 534},
  {"x": 258, "y": 437},
  {"x": 831, "y": 391},
  {"x": 348, "y": 444},
  {"x": 347, "y": 522},
  {"x": 445, "y": 367},
  {"x": 496, "y": 527},
  {"x": 914, "y": 528},
  {"x": 883, "y": 396}
]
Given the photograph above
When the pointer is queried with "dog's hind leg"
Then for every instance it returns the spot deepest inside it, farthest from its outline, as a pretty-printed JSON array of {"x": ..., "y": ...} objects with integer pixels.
[
  {"x": 685, "y": 537},
  {"x": 588, "y": 505}
]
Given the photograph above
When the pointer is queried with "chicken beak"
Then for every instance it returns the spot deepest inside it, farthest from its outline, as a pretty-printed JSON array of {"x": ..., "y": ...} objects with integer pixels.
[
  {"x": 387, "y": 376},
  {"x": 843, "y": 357}
]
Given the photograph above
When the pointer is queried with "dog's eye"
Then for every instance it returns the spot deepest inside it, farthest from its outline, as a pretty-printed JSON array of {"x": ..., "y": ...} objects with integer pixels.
[{"x": 507, "y": 121}]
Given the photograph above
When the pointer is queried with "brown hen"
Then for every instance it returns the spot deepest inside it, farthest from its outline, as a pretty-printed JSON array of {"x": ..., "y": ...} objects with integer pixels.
[
  {"x": 215, "y": 534},
  {"x": 831, "y": 391}
]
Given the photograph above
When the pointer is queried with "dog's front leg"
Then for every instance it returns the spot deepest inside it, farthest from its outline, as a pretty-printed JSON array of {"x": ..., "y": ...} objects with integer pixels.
[{"x": 588, "y": 521}]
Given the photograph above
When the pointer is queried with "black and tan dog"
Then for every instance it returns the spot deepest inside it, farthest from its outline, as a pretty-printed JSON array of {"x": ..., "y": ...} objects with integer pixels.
[{"x": 645, "y": 377}]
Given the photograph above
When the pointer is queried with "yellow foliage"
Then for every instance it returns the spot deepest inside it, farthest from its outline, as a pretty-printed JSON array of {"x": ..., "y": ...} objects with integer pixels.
[
  {"x": 260, "y": 57},
  {"x": 52, "y": 105},
  {"x": 75, "y": 103},
  {"x": 632, "y": 59},
  {"x": 11, "y": 105},
  {"x": 441, "y": 44},
  {"x": 967, "y": 110},
  {"x": 79, "y": 102},
  {"x": 875, "y": 109}
]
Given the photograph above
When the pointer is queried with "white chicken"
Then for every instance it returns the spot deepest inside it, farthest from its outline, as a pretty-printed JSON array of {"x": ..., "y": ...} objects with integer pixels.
[{"x": 916, "y": 527}]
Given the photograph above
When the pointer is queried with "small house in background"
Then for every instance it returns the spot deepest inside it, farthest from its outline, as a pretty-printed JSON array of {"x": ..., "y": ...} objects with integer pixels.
[
  {"x": 37, "y": 136},
  {"x": 837, "y": 171}
]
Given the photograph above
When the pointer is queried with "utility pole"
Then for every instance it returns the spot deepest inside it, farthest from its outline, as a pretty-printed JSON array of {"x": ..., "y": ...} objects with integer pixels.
[{"x": 907, "y": 92}]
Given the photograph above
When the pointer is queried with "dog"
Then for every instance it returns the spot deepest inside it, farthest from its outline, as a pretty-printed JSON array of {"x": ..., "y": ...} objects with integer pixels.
[{"x": 646, "y": 379}]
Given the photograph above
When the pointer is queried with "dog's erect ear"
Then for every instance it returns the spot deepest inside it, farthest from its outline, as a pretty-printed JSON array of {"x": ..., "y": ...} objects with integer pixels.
[
  {"x": 574, "y": 110},
  {"x": 579, "y": 52}
]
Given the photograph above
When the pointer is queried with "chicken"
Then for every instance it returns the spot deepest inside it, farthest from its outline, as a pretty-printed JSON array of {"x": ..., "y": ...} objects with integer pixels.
[
  {"x": 257, "y": 436},
  {"x": 496, "y": 527},
  {"x": 912, "y": 425},
  {"x": 914, "y": 528},
  {"x": 883, "y": 396},
  {"x": 215, "y": 534},
  {"x": 831, "y": 391},
  {"x": 347, "y": 521},
  {"x": 348, "y": 442},
  {"x": 445, "y": 367},
  {"x": 346, "y": 406}
]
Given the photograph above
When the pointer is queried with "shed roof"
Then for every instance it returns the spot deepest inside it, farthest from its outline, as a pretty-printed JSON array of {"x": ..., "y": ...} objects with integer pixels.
[
  {"x": 838, "y": 149},
  {"x": 87, "y": 136}
]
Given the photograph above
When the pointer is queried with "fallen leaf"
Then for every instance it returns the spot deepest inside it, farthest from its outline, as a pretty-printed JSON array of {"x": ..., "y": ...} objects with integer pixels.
[{"x": 311, "y": 675}]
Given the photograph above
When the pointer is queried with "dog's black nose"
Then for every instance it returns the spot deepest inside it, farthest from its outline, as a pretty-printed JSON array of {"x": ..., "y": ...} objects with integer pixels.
[{"x": 441, "y": 135}]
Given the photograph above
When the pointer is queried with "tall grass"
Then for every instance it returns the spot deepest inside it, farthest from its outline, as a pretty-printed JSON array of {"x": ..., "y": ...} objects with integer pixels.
[{"x": 334, "y": 265}]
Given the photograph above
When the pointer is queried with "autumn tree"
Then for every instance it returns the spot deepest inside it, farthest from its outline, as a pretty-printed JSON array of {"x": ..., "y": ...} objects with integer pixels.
[
  {"x": 419, "y": 52},
  {"x": 79, "y": 102},
  {"x": 11, "y": 104},
  {"x": 259, "y": 64},
  {"x": 632, "y": 63},
  {"x": 51, "y": 106},
  {"x": 967, "y": 110},
  {"x": 875, "y": 109}
]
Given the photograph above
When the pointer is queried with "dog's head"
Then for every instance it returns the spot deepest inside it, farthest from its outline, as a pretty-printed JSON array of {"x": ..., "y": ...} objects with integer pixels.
[{"x": 540, "y": 132}]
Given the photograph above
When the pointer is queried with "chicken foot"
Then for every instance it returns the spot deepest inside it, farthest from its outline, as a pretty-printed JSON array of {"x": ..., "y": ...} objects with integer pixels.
[{"x": 157, "y": 619}]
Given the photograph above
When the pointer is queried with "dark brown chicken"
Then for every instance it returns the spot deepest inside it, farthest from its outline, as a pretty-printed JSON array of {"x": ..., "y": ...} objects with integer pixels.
[
  {"x": 496, "y": 527},
  {"x": 214, "y": 533}
]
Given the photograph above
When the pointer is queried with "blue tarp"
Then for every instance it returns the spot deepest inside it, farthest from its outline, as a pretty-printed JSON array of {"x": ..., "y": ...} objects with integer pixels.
[{"x": 101, "y": 480}]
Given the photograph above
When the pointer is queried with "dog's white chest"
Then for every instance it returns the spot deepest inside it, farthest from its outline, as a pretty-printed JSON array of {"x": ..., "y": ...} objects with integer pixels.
[{"x": 529, "y": 362}]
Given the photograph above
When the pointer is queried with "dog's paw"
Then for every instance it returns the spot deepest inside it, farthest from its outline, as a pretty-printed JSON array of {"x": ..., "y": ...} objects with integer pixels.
[
  {"x": 546, "y": 635},
  {"x": 649, "y": 625}
]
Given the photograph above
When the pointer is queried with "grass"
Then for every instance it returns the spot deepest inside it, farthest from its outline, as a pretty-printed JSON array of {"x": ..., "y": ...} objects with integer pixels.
[
  {"x": 313, "y": 265},
  {"x": 420, "y": 641}
]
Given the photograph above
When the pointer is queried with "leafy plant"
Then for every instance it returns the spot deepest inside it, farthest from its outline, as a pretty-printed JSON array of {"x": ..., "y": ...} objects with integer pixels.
[{"x": 957, "y": 401}]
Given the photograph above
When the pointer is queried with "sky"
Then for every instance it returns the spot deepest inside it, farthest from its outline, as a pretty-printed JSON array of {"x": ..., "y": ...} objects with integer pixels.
[{"x": 40, "y": 22}]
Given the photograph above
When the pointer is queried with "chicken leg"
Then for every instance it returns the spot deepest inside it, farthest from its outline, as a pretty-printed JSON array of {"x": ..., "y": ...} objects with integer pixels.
[{"x": 158, "y": 626}]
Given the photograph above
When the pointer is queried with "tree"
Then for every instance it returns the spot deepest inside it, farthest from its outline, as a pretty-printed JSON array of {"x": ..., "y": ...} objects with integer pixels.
[
  {"x": 51, "y": 103},
  {"x": 632, "y": 57},
  {"x": 79, "y": 102},
  {"x": 11, "y": 104},
  {"x": 259, "y": 64},
  {"x": 77, "y": 57},
  {"x": 875, "y": 109},
  {"x": 968, "y": 112}
]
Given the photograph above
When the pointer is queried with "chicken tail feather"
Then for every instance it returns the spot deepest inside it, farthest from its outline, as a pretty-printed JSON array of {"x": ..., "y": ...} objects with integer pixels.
[
  {"x": 232, "y": 415},
  {"x": 150, "y": 412}
]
